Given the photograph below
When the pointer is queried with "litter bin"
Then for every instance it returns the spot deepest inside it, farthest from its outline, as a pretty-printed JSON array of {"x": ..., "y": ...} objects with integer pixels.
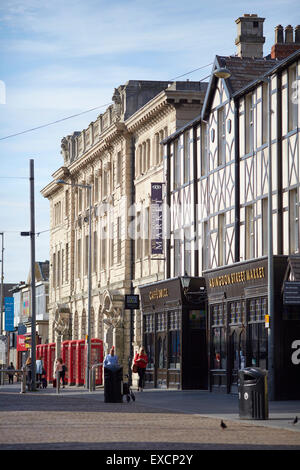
[
  {"x": 253, "y": 393},
  {"x": 113, "y": 385}
]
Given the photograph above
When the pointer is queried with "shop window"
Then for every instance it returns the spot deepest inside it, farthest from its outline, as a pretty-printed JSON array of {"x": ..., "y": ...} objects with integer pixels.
[
  {"x": 161, "y": 322},
  {"x": 149, "y": 347},
  {"x": 258, "y": 345},
  {"x": 174, "y": 349},
  {"x": 162, "y": 352},
  {"x": 218, "y": 348}
]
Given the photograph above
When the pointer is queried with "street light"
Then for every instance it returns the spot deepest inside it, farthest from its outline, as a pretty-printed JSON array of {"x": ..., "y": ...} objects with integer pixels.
[
  {"x": 222, "y": 72},
  {"x": 88, "y": 356}
]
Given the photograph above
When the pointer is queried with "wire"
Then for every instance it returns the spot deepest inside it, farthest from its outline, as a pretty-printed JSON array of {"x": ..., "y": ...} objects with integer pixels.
[
  {"x": 192, "y": 71},
  {"x": 55, "y": 122},
  {"x": 93, "y": 109}
]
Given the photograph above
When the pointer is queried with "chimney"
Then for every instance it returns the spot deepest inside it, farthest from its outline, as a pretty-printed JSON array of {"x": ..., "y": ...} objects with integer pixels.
[
  {"x": 250, "y": 39},
  {"x": 285, "y": 46}
]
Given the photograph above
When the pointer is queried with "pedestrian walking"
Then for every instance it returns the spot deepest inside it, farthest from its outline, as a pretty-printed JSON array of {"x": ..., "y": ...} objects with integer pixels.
[
  {"x": 11, "y": 374},
  {"x": 141, "y": 361},
  {"x": 59, "y": 371},
  {"x": 39, "y": 371},
  {"x": 63, "y": 373},
  {"x": 28, "y": 372}
]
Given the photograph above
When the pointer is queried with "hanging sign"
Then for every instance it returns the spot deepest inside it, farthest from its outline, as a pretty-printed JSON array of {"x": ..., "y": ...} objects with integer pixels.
[
  {"x": 156, "y": 219},
  {"x": 9, "y": 313}
]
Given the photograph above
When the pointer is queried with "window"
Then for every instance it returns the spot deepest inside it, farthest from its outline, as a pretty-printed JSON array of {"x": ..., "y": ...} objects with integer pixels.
[
  {"x": 187, "y": 251},
  {"x": 249, "y": 232},
  {"x": 96, "y": 189},
  {"x": 104, "y": 184},
  {"x": 264, "y": 226},
  {"x": 79, "y": 258},
  {"x": 147, "y": 232},
  {"x": 54, "y": 270},
  {"x": 218, "y": 348},
  {"x": 86, "y": 255},
  {"x": 204, "y": 148},
  {"x": 58, "y": 270},
  {"x": 293, "y": 221},
  {"x": 67, "y": 263},
  {"x": 258, "y": 345},
  {"x": 177, "y": 164},
  {"x": 221, "y": 136},
  {"x": 79, "y": 199},
  {"x": 177, "y": 253},
  {"x": 186, "y": 167},
  {"x": 95, "y": 252},
  {"x": 265, "y": 113},
  {"x": 119, "y": 235},
  {"x": 292, "y": 97},
  {"x": 174, "y": 349},
  {"x": 67, "y": 203},
  {"x": 138, "y": 241},
  {"x": 205, "y": 245},
  {"x": 221, "y": 239},
  {"x": 119, "y": 167},
  {"x": 249, "y": 131},
  {"x": 103, "y": 248}
]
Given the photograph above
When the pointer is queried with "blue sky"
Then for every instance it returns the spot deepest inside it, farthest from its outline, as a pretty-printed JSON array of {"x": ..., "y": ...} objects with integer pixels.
[{"x": 61, "y": 58}]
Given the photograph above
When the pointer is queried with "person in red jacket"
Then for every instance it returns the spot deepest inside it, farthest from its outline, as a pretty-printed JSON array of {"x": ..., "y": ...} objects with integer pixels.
[{"x": 141, "y": 360}]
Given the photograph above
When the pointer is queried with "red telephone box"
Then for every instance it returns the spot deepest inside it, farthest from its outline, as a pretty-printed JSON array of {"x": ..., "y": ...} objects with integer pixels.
[
  {"x": 80, "y": 362},
  {"x": 65, "y": 345},
  {"x": 97, "y": 358},
  {"x": 51, "y": 360},
  {"x": 72, "y": 362}
]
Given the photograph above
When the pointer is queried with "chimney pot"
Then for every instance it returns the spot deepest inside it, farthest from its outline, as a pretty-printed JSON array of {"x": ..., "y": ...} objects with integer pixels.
[
  {"x": 279, "y": 34},
  {"x": 289, "y": 34},
  {"x": 297, "y": 34}
]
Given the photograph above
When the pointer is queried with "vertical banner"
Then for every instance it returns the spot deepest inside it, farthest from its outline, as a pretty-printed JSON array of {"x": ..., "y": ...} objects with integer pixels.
[
  {"x": 9, "y": 313},
  {"x": 156, "y": 219}
]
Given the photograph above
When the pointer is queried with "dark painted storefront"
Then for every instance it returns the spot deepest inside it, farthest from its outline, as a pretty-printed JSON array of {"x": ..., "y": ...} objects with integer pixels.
[
  {"x": 174, "y": 333},
  {"x": 239, "y": 326}
]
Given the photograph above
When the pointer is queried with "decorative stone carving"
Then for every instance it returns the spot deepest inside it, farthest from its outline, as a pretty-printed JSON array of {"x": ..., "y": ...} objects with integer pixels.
[
  {"x": 62, "y": 320},
  {"x": 110, "y": 311},
  {"x": 65, "y": 150}
]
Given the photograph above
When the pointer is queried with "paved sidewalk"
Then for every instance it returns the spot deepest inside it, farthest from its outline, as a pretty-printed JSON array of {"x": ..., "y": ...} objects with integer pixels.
[
  {"x": 199, "y": 402},
  {"x": 158, "y": 420}
]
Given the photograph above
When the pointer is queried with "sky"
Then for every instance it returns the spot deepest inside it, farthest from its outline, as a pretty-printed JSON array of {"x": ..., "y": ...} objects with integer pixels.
[{"x": 59, "y": 58}]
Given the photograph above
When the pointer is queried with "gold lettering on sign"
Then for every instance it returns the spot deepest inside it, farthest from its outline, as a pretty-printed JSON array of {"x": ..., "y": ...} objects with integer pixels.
[
  {"x": 158, "y": 294},
  {"x": 238, "y": 277}
]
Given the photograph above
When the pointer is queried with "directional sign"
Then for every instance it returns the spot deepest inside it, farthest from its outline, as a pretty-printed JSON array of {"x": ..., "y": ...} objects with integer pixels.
[{"x": 291, "y": 293}]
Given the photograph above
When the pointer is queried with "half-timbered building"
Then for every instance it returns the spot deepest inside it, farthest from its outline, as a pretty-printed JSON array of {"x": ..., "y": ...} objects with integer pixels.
[{"x": 218, "y": 186}]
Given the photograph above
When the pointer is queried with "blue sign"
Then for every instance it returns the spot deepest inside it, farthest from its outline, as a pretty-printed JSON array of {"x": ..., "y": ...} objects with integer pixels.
[{"x": 9, "y": 313}]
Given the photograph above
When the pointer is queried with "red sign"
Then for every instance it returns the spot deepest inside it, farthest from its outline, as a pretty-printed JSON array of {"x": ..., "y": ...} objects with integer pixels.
[{"x": 21, "y": 343}]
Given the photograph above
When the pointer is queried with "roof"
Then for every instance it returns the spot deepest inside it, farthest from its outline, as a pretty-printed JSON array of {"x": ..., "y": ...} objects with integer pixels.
[{"x": 245, "y": 70}]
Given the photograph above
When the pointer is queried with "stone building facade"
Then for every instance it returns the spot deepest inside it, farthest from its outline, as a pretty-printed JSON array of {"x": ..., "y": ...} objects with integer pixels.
[{"x": 119, "y": 155}]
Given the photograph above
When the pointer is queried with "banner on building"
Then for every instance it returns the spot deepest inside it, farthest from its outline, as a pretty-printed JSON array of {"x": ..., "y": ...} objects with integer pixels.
[
  {"x": 23, "y": 342},
  {"x": 9, "y": 313},
  {"x": 156, "y": 219}
]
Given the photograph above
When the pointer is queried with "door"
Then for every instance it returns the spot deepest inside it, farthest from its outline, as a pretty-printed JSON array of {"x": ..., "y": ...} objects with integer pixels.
[{"x": 237, "y": 356}]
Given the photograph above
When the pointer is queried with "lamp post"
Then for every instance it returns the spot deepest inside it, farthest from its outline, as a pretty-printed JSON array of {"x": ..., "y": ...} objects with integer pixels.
[{"x": 88, "y": 355}]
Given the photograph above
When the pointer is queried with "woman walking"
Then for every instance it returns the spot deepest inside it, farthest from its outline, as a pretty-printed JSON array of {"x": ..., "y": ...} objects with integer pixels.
[{"x": 141, "y": 360}]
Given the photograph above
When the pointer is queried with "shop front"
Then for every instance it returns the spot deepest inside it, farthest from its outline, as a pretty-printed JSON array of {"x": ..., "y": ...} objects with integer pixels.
[
  {"x": 239, "y": 326},
  {"x": 174, "y": 333}
]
